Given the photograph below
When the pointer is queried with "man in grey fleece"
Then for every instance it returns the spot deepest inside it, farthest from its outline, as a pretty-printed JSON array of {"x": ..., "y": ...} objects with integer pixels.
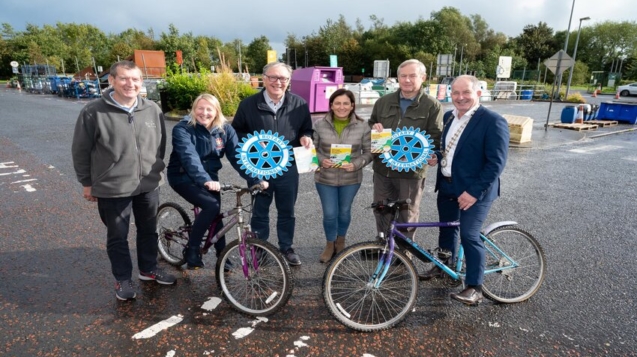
[{"x": 118, "y": 155}]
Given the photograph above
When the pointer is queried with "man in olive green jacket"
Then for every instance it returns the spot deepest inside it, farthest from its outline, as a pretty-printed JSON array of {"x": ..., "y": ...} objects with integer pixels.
[{"x": 408, "y": 107}]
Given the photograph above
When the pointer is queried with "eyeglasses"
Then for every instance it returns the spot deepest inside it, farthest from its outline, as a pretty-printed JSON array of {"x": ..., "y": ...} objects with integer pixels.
[{"x": 273, "y": 79}]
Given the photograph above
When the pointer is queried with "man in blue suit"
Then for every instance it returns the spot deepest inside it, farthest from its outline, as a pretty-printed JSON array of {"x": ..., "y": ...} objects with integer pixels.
[{"x": 473, "y": 152}]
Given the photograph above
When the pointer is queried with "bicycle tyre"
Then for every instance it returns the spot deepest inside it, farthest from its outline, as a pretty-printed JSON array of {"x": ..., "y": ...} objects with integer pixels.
[
  {"x": 519, "y": 284},
  {"x": 266, "y": 289},
  {"x": 171, "y": 221},
  {"x": 355, "y": 303}
]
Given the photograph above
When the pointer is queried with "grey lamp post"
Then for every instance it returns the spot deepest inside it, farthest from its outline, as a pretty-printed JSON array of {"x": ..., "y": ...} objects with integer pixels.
[
  {"x": 568, "y": 32},
  {"x": 570, "y": 75}
]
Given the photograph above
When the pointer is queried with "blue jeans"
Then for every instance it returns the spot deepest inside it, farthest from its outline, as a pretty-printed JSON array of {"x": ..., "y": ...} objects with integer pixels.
[
  {"x": 284, "y": 190},
  {"x": 115, "y": 214},
  {"x": 337, "y": 208},
  {"x": 210, "y": 204}
]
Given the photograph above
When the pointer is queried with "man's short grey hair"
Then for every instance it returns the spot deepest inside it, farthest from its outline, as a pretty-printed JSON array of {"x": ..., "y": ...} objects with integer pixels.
[
  {"x": 122, "y": 64},
  {"x": 475, "y": 83},
  {"x": 422, "y": 70},
  {"x": 277, "y": 64}
]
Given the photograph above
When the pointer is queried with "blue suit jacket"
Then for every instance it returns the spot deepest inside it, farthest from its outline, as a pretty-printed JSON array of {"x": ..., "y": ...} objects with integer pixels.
[{"x": 480, "y": 156}]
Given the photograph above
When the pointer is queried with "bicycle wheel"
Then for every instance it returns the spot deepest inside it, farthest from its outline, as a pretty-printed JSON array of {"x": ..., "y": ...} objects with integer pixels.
[
  {"x": 172, "y": 223},
  {"x": 268, "y": 284},
  {"x": 520, "y": 283},
  {"x": 352, "y": 297}
]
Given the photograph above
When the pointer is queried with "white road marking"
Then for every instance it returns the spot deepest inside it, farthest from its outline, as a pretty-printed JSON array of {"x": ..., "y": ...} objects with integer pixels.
[
  {"x": 28, "y": 188},
  {"x": 245, "y": 331},
  {"x": 630, "y": 158},
  {"x": 158, "y": 327},
  {"x": 22, "y": 181},
  {"x": 297, "y": 345},
  {"x": 211, "y": 304},
  {"x": 13, "y": 173},
  {"x": 170, "y": 354},
  {"x": 596, "y": 149},
  {"x": 300, "y": 342},
  {"x": 5, "y": 165}
]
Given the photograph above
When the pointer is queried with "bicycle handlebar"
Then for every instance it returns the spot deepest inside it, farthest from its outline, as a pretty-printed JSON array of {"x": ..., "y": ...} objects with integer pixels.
[
  {"x": 390, "y": 203},
  {"x": 241, "y": 190}
]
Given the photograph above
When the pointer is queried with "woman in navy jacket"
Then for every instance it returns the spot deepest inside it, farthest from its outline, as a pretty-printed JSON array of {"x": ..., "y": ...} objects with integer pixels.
[{"x": 199, "y": 141}]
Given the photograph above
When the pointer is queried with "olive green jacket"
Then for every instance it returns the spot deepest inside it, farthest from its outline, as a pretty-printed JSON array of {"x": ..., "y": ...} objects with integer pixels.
[{"x": 425, "y": 113}]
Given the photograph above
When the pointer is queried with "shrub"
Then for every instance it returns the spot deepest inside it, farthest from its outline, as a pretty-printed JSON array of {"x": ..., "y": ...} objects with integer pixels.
[
  {"x": 182, "y": 89},
  {"x": 575, "y": 98},
  {"x": 225, "y": 86}
]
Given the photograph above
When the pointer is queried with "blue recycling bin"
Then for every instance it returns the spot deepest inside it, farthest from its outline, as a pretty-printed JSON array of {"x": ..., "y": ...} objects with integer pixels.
[
  {"x": 568, "y": 114},
  {"x": 526, "y": 95}
]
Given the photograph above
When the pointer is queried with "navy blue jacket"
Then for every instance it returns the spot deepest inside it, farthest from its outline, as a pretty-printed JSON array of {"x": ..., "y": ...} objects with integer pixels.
[
  {"x": 291, "y": 121},
  {"x": 480, "y": 156},
  {"x": 197, "y": 153}
]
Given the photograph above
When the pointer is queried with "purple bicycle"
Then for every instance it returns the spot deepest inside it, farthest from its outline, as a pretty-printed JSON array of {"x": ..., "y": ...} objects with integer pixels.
[{"x": 251, "y": 273}]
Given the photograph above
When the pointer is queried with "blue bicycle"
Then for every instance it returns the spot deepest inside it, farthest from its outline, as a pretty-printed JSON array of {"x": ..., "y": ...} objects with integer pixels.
[{"x": 373, "y": 285}]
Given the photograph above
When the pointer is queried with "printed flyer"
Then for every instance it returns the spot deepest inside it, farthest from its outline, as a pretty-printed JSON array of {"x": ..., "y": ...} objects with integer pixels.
[
  {"x": 381, "y": 141},
  {"x": 340, "y": 153},
  {"x": 306, "y": 159}
]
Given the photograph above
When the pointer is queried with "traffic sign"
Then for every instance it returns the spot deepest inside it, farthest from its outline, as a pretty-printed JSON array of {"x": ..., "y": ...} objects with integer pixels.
[
  {"x": 566, "y": 61},
  {"x": 14, "y": 64}
]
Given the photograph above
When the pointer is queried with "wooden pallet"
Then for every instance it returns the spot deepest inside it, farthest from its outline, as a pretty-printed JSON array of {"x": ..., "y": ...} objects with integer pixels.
[
  {"x": 578, "y": 127},
  {"x": 603, "y": 123}
]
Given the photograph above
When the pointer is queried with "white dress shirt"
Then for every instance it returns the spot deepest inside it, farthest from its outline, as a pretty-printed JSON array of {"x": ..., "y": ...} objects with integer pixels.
[{"x": 456, "y": 124}]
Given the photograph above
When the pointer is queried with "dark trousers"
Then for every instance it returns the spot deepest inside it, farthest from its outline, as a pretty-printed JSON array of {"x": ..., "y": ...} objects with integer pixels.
[
  {"x": 210, "y": 204},
  {"x": 115, "y": 214},
  {"x": 386, "y": 188},
  {"x": 471, "y": 222},
  {"x": 284, "y": 190}
]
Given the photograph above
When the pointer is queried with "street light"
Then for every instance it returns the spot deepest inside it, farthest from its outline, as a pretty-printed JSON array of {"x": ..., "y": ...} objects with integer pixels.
[
  {"x": 570, "y": 75},
  {"x": 568, "y": 32}
]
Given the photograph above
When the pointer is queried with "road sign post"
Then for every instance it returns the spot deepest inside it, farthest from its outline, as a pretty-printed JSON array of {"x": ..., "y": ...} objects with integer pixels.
[{"x": 558, "y": 63}]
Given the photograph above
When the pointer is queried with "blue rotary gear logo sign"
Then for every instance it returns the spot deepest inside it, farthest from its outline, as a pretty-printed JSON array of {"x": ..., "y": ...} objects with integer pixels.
[
  {"x": 264, "y": 155},
  {"x": 409, "y": 150}
]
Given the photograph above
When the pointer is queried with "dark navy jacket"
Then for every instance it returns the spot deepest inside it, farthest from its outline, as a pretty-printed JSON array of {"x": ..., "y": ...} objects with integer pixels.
[
  {"x": 291, "y": 121},
  {"x": 197, "y": 153},
  {"x": 480, "y": 155}
]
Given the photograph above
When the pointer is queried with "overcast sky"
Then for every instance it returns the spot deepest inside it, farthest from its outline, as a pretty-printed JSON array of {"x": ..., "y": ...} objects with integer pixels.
[{"x": 249, "y": 19}]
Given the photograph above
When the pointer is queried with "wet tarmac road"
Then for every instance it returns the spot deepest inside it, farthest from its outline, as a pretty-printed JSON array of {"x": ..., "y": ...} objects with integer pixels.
[{"x": 575, "y": 193}]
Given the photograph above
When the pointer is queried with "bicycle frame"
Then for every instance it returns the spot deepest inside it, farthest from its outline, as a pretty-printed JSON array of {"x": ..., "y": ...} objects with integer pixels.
[
  {"x": 505, "y": 262},
  {"x": 238, "y": 220}
]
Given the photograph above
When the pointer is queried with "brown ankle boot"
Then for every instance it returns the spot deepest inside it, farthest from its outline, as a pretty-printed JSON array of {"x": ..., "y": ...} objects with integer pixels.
[
  {"x": 328, "y": 252},
  {"x": 340, "y": 244}
]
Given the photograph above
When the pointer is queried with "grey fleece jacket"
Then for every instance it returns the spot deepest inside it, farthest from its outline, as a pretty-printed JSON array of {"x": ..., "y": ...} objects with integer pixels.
[{"x": 116, "y": 153}]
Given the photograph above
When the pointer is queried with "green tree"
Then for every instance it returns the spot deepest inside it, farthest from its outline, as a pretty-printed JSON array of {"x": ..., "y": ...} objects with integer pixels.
[
  {"x": 458, "y": 30},
  {"x": 172, "y": 42},
  {"x": 257, "y": 54},
  {"x": 609, "y": 42},
  {"x": 537, "y": 42}
]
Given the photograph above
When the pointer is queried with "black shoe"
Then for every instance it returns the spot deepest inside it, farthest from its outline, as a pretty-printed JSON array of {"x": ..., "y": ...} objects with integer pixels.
[
  {"x": 193, "y": 258},
  {"x": 469, "y": 296},
  {"x": 433, "y": 273},
  {"x": 291, "y": 257}
]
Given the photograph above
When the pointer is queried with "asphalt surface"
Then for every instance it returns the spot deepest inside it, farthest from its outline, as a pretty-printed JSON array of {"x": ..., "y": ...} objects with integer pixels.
[{"x": 573, "y": 190}]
